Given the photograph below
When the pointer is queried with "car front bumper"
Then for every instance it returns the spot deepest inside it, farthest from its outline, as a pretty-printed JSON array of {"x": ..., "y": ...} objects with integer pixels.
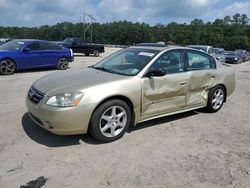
[{"x": 61, "y": 121}]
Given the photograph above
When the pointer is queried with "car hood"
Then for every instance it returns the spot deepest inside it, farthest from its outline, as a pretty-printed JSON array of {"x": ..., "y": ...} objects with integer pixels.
[{"x": 76, "y": 80}]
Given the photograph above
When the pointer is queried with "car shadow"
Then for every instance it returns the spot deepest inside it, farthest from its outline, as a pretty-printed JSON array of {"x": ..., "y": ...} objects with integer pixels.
[
  {"x": 36, "y": 70},
  {"x": 82, "y": 55},
  {"x": 46, "y": 138},
  {"x": 161, "y": 120}
]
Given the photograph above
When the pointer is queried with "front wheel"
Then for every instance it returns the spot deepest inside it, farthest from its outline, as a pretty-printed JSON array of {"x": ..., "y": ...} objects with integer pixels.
[
  {"x": 7, "y": 67},
  {"x": 110, "y": 121},
  {"x": 216, "y": 98},
  {"x": 63, "y": 64},
  {"x": 96, "y": 53}
]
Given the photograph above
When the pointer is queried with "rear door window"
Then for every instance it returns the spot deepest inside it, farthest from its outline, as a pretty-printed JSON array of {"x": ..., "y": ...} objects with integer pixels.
[
  {"x": 199, "y": 61},
  {"x": 49, "y": 46}
]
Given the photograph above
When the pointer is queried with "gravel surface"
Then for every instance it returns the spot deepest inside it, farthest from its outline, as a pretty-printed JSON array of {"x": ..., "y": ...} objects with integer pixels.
[{"x": 193, "y": 149}]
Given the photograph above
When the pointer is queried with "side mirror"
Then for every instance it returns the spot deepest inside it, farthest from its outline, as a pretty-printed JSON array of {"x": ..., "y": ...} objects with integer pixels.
[
  {"x": 156, "y": 73},
  {"x": 25, "y": 50}
]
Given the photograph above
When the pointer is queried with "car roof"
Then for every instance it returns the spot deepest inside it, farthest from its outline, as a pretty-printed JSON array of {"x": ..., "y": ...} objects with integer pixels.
[
  {"x": 201, "y": 46},
  {"x": 162, "y": 48},
  {"x": 29, "y": 40}
]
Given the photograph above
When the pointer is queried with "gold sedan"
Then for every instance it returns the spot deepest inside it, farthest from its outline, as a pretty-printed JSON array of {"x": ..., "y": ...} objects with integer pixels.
[{"x": 130, "y": 86}]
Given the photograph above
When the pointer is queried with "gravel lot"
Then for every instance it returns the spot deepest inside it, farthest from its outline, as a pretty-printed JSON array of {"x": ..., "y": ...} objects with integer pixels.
[{"x": 193, "y": 149}]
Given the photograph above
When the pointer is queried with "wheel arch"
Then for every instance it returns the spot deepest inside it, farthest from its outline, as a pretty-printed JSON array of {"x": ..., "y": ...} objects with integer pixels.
[
  {"x": 17, "y": 68},
  {"x": 122, "y": 98},
  {"x": 225, "y": 89}
]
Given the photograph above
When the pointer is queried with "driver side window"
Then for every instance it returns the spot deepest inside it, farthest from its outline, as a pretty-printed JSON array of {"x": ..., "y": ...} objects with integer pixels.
[{"x": 171, "y": 61}]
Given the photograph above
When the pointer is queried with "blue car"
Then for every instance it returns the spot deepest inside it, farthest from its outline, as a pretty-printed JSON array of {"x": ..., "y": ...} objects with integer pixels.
[{"x": 30, "y": 54}]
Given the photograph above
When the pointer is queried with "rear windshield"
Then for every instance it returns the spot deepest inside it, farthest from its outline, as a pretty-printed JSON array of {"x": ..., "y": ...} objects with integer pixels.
[
  {"x": 12, "y": 45},
  {"x": 199, "y": 48},
  {"x": 218, "y": 51},
  {"x": 230, "y": 53}
]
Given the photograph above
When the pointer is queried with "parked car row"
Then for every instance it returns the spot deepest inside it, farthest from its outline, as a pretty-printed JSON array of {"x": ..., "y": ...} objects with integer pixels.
[{"x": 237, "y": 56}]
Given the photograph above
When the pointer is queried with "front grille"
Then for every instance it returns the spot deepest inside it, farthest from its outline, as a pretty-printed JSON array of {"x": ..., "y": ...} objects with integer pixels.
[
  {"x": 35, "y": 96},
  {"x": 230, "y": 59}
]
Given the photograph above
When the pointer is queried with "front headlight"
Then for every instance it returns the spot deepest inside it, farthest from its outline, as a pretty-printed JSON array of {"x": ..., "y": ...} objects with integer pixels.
[{"x": 70, "y": 99}]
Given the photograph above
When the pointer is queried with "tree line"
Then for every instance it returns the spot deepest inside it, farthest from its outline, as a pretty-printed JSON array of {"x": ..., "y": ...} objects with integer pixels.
[{"x": 230, "y": 32}]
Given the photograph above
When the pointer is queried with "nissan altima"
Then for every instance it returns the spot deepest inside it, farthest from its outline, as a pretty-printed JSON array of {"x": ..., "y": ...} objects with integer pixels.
[
  {"x": 130, "y": 86},
  {"x": 30, "y": 54}
]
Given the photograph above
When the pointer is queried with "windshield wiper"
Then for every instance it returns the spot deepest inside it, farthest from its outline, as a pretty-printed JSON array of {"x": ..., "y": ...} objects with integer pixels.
[{"x": 103, "y": 69}]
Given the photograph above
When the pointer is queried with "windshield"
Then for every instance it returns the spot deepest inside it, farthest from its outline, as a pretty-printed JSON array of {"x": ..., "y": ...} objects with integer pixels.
[
  {"x": 230, "y": 53},
  {"x": 218, "y": 51},
  {"x": 68, "y": 41},
  {"x": 12, "y": 45},
  {"x": 129, "y": 61}
]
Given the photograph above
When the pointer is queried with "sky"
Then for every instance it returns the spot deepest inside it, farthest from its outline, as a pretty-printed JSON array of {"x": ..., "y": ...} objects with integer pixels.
[{"x": 32, "y": 13}]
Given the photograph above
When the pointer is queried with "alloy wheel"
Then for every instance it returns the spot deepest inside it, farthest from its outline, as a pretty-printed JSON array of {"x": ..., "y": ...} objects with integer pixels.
[
  {"x": 7, "y": 67},
  {"x": 63, "y": 64},
  {"x": 113, "y": 121},
  {"x": 218, "y": 98}
]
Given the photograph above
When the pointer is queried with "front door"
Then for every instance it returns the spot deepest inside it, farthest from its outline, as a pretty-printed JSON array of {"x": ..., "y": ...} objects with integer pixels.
[
  {"x": 31, "y": 58},
  {"x": 166, "y": 94}
]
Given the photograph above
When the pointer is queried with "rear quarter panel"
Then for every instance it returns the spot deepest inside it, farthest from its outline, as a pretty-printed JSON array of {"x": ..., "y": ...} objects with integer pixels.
[{"x": 225, "y": 75}]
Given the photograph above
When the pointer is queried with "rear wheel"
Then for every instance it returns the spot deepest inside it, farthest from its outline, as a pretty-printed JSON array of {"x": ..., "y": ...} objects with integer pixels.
[
  {"x": 216, "y": 98},
  {"x": 63, "y": 63},
  {"x": 110, "y": 121},
  {"x": 7, "y": 67},
  {"x": 96, "y": 53}
]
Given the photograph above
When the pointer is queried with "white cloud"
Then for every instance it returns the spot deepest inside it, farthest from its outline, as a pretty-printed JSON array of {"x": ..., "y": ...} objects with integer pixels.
[
  {"x": 236, "y": 7},
  {"x": 40, "y": 12}
]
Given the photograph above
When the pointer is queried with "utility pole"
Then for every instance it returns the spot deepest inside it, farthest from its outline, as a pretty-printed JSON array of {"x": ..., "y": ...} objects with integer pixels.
[{"x": 89, "y": 26}]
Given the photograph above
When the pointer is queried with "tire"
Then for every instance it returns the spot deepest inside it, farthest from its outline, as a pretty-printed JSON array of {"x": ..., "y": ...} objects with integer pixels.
[
  {"x": 96, "y": 53},
  {"x": 7, "y": 67},
  {"x": 216, "y": 98},
  {"x": 63, "y": 64},
  {"x": 110, "y": 121}
]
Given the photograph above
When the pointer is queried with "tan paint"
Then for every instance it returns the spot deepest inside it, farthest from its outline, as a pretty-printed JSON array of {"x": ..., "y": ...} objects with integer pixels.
[
  {"x": 164, "y": 94},
  {"x": 151, "y": 97}
]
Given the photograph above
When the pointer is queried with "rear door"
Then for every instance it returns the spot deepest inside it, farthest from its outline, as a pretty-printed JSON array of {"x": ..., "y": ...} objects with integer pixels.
[
  {"x": 201, "y": 68},
  {"x": 165, "y": 94},
  {"x": 50, "y": 53}
]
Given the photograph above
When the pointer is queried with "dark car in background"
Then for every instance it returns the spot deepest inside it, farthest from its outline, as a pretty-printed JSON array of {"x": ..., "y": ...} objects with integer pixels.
[
  {"x": 205, "y": 48},
  {"x": 219, "y": 54},
  {"x": 24, "y": 54},
  {"x": 233, "y": 57},
  {"x": 4, "y": 40},
  {"x": 243, "y": 54},
  {"x": 79, "y": 45}
]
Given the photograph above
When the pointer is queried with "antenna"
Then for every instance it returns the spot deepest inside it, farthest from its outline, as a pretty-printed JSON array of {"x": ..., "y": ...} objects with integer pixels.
[{"x": 89, "y": 26}]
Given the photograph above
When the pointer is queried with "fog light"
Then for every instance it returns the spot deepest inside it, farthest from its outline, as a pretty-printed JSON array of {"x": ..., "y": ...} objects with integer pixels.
[{"x": 49, "y": 125}]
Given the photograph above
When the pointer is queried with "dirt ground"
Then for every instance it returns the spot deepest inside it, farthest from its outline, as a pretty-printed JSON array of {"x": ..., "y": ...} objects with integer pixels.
[{"x": 193, "y": 149}]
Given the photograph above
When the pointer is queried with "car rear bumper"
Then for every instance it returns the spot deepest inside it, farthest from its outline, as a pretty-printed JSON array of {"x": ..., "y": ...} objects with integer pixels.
[{"x": 71, "y": 59}]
